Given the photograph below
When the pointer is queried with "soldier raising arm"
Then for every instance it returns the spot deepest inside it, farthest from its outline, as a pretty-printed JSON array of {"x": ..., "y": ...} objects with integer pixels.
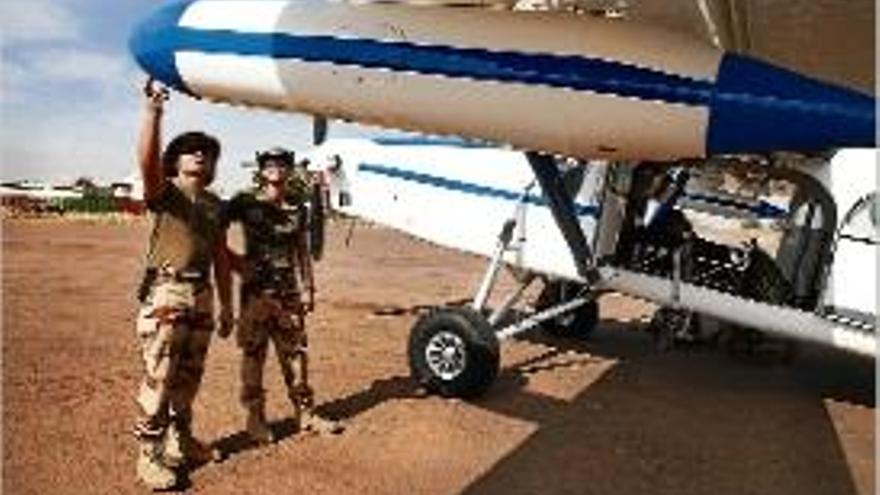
[{"x": 175, "y": 319}]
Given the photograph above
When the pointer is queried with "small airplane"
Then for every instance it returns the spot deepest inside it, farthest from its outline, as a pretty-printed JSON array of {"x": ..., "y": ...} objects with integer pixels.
[
  {"x": 655, "y": 116},
  {"x": 804, "y": 268}
]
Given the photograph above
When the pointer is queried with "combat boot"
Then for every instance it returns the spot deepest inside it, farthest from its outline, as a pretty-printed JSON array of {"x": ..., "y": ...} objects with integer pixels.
[
  {"x": 257, "y": 428},
  {"x": 183, "y": 449},
  {"x": 150, "y": 469}
]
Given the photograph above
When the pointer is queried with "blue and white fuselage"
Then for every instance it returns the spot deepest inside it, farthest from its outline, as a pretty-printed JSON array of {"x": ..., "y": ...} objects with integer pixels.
[
  {"x": 458, "y": 195},
  {"x": 538, "y": 81}
]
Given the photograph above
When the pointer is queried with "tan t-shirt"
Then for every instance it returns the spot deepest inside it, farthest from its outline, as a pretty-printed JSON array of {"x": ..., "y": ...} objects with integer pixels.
[{"x": 184, "y": 231}]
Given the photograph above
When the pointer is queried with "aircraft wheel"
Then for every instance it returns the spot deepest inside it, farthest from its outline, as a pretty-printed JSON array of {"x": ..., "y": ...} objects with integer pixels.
[
  {"x": 579, "y": 323},
  {"x": 454, "y": 352},
  {"x": 764, "y": 283},
  {"x": 671, "y": 326}
]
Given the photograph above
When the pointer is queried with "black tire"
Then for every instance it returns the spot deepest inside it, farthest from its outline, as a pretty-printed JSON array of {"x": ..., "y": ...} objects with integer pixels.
[
  {"x": 764, "y": 282},
  {"x": 580, "y": 323},
  {"x": 670, "y": 326},
  {"x": 316, "y": 223},
  {"x": 476, "y": 353}
]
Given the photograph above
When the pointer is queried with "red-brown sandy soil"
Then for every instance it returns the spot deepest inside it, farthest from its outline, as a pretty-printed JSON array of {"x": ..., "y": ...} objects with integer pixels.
[{"x": 608, "y": 416}]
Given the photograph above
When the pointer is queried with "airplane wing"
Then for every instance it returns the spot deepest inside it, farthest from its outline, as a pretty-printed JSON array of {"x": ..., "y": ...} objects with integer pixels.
[
  {"x": 830, "y": 39},
  {"x": 587, "y": 87}
]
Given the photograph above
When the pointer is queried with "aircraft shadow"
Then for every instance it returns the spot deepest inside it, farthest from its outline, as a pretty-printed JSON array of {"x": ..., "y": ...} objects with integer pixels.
[
  {"x": 685, "y": 422},
  {"x": 691, "y": 421}
]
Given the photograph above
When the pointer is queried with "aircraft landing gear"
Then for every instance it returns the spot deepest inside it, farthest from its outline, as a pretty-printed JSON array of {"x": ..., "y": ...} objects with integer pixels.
[
  {"x": 671, "y": 326},
  {"x": 454, "y": 352},
  {"x": 578, "y": 323}
]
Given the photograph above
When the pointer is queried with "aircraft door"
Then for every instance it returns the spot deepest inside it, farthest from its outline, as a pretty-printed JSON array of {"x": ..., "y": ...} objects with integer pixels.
[
  {"x": 585, "y": 182},
  {"x": 853, "y": 284},
  {"x": 612, "y": 209}
]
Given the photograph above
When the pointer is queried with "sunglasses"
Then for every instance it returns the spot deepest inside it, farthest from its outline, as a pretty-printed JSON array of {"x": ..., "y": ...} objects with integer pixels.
[{"x": 193, "y": 148}]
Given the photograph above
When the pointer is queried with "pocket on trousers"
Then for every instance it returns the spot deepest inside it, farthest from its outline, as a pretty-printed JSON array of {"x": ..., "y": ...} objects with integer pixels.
[
  {"x": 146, "y": 326},
  {"x": 174, "y": 295}
]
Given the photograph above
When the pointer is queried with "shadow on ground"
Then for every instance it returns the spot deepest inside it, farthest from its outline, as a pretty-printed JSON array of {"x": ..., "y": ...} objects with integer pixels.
[
  {"x": 343, "y": 409},
  {"x": 692, "y": 421},
  {"x": 686, "y": 422}
]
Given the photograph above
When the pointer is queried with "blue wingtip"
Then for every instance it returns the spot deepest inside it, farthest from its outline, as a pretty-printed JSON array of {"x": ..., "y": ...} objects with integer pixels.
[
  {"x": 758, "y": 107},
  {"x": 153, "y": 44}
]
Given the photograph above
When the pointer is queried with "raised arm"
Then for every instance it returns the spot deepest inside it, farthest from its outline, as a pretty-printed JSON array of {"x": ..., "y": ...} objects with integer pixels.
[{"x": 149, "y": 140}]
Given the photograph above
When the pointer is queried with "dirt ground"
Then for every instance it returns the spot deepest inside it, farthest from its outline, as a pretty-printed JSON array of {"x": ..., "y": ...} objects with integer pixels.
[{"x": 608, "y": 416}]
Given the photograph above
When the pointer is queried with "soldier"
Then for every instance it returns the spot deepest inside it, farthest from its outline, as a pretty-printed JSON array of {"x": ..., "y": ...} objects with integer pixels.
[
  {"x": 276, "y": 270},
  {"x": 175, "y": 320}
]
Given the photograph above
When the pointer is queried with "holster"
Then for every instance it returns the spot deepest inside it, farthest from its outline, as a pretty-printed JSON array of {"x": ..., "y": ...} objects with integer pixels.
[{"x": 147, "y": 282}]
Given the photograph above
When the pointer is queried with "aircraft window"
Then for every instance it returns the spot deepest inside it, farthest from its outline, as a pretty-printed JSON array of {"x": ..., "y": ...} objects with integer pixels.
[
  {"x": 733, "y": 206},
  {"x": 863, "y": 221}
]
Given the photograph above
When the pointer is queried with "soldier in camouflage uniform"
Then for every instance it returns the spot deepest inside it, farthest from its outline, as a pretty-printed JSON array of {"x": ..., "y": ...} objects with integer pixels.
[
  {"x": 175, "y": 320},
  {"x": 276, "y": 270}
]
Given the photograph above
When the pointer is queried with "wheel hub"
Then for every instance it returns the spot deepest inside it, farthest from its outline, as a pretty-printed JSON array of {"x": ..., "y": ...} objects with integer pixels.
[{"x": 446, "y": 355}]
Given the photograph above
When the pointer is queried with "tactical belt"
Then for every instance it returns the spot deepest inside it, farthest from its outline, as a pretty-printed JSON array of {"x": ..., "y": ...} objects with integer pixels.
[
  {"x": 198, "y": 278},
  {"x": 189, "y": 275},
  {"x": 261, "y": 287}
]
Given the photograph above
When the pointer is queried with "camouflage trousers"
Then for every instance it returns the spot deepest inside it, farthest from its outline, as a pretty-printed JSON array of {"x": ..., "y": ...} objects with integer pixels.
[
  {"x": 265, "y": 318},
  {"x": 174, "y": 328}
]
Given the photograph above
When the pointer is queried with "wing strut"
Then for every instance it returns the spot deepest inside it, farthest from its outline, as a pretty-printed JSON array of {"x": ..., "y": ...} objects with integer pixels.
[
  {"x": 727, "y": 24},
  {"x": 562, "y": 208}
]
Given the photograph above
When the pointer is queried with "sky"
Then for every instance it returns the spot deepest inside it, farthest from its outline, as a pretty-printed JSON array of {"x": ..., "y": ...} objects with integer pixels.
[{"x": 70, "y": 102}]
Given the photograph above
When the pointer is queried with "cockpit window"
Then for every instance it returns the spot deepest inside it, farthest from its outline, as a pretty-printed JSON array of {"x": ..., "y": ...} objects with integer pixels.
[{"x": 863, "y": 221}]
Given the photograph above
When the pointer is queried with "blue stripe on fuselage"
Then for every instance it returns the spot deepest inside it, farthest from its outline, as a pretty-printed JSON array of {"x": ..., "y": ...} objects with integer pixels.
[
  {"x": 466, "y": 187},
  {"x": 761, "y": 209},
  {"x": 452, "y": 142},
  {"x": 752, "y": 106},
  {"x": 759, "y": 108},
  {"x": 153, "y": 44},
  {"x": 559, "y": 71}
]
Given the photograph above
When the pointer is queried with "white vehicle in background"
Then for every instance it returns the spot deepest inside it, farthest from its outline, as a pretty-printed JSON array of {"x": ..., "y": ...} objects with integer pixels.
[{"x": 803, "y": 268}]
